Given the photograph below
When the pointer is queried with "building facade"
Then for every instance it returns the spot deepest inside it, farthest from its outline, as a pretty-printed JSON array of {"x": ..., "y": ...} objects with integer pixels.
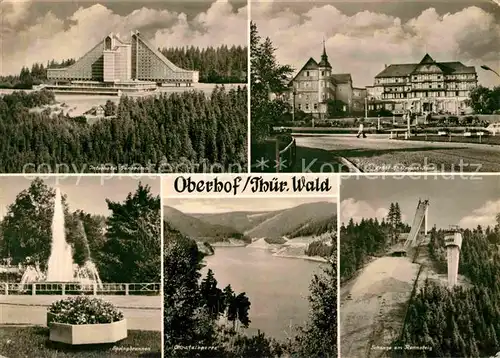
[
  {"x": 115, "y": 61},
  {"x": 424, "y": 87},
  {"x": 358, "y": 99},
  {"x": 314, "y": 85}
]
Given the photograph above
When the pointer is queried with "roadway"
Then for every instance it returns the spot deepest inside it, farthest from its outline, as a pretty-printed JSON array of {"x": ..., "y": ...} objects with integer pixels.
[
  {"x": 379, "y": 153},
  {"x": 141, "y": 312}
]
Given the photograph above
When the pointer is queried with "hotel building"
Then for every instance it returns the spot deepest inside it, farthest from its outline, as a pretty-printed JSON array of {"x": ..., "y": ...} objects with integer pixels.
[
  {"x": 424, "y": 87},
  {"x": 314, "y": 85},
  {"x": 114, "y": 66}
]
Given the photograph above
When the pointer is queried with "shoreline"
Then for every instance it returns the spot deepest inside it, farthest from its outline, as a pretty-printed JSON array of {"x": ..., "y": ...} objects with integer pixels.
[
  {"x": 303, "y": 257},
  {"x": 227, "y": 244}
]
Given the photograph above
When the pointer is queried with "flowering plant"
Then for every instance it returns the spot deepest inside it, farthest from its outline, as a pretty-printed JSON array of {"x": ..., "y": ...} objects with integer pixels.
[{"x": 84, "y": 310}]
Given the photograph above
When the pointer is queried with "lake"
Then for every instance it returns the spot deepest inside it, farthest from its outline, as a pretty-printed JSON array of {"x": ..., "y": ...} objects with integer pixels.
[{"x": 277, "y": 287}]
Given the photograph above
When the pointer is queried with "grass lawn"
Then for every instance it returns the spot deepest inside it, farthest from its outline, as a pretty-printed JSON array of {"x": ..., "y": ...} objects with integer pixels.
[
  {"x": 491, "y": 140},
  {"x": 31, "y": 342},
  {"x": 423, "y": 161}
]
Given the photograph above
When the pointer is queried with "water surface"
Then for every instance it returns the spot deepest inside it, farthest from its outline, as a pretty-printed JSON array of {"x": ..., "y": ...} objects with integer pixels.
[{"x": 277, "y": 287}]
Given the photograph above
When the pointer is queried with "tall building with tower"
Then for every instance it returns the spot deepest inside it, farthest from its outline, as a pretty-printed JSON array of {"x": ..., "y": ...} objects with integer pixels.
[
  {"x": 114, "y": 65},
  {"x": 315, "y": 84},
  {"x": 453, "y": 243}
]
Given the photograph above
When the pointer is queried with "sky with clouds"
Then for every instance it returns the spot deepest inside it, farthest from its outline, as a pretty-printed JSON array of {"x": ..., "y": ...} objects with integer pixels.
[
  {"x": 453, "y": 200},
  {"x": 212, "y": 206},
  {"x": 88, "y": 193},
  {"x": 42, "y": 30},
  {"x": 363, "y": 35}
]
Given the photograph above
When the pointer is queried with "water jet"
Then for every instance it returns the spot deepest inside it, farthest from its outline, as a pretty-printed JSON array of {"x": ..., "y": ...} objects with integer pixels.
[{"x": 61, "y": 268}]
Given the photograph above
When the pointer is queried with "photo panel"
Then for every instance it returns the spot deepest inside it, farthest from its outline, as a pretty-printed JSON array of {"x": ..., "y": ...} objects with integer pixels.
[
  {"x": 124, "y": 86},
  {"x": 80, "y": 266},
  {"x": 375, "y": 86},
  {"x": 419, "y": 266},
  {"x": 249, "y": 275}
]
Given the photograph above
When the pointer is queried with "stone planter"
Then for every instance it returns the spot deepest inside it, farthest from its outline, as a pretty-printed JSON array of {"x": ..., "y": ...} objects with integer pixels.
[
  {"x": 87, "y": 333},
  {"x": 50, "y": 318}
]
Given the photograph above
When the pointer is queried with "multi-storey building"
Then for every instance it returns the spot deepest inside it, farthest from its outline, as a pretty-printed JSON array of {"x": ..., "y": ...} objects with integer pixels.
[
  {"x": 114, "y": 61},
  {"x": 358, "y": 99},
  {"x": 424, "y": 87},
  {"x": 314, "y": 85}
]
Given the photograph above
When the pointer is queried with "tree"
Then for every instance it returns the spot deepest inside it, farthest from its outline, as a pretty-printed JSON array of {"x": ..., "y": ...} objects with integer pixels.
[
  {"x": 216, "y": 65},
  {"x": 27, "y": 226},
  {"x": 93, "y": 226},
  {"x": 110, "y": 108},
  {"x": 212, "y": 296},
  {"x": 319, "y": 337},
  {"x": 77, "y": 237},
  {"x": 398, "y": 223},
  {"x": 132, "y": 250},
  {"x": 484, "y": 100},
  {"x": 335, "y": 108},
  {"x": 182, "y": 299},
  {"x": 266, "y": 76}
]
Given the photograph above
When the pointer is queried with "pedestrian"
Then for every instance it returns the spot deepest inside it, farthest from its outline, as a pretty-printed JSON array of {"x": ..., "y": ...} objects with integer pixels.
[{"x": 361, "y": 129}]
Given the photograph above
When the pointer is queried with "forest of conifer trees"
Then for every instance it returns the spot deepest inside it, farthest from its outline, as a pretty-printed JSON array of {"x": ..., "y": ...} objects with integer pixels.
[
  {"x": 464, "y": 321},
  {"x": 369, "y": 237},
  {"x": 180, "y": 132},
  {"x": 216, "y": 65}
]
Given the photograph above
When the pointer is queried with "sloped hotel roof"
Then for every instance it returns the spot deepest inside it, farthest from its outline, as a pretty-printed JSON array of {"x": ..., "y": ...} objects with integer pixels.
[
  {"x": 310, "y": 64},
  {"x": 401, "y": 70},
  {"x": 341, "y": 78}
]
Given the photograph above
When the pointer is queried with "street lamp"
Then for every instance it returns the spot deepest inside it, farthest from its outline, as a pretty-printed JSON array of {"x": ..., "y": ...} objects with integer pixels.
[
  {"x": 366, "y": 107},
  {"x": 294, "y": 93},
  {"x": 486, "y": 68}
]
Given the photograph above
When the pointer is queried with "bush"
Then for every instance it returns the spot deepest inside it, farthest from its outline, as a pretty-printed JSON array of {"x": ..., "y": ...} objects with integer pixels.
[
  {"x": 284, "y": 140},
  {"x": 84, "y": 310}
]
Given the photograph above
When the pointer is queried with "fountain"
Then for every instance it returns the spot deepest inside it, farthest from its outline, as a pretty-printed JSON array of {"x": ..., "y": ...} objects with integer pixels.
[{"x": 60, "y": 267}]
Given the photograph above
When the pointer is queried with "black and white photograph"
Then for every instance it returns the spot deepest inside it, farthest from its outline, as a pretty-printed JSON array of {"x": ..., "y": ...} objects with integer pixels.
[
  {"x": 80, "y": 267},
  {"x": 123, "y": 86},
  {"x": 250, "y": 277},
  {"x": 420, "y": 266},
  {"x": 375, "y": 86}
]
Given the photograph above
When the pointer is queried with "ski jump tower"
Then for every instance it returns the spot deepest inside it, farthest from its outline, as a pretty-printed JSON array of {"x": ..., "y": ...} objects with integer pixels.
[
  {"x": 453, "y": 243},
  {"x": 419, "y": 225}
]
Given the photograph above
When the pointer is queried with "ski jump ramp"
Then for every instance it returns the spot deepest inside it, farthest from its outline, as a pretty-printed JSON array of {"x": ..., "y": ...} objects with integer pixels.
[{"x": 419, "y": 225}]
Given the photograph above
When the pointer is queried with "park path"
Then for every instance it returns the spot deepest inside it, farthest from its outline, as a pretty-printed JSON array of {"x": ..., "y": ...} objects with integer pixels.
[{"x": 141, "y": 312}]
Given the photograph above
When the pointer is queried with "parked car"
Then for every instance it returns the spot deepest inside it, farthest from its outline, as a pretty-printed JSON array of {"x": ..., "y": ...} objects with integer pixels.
[
  {"x": 443, "y": 131},
  {"x": 493, "y": 128},
  {"x": 475, "y": 133},
  {"x": 482, "y": 133}
]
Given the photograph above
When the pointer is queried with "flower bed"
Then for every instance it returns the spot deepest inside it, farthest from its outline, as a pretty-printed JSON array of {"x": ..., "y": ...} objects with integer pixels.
[{"x": 84, "y": 320}]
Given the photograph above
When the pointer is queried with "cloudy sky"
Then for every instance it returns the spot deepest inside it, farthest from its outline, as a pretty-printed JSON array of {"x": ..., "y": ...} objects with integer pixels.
[
  {"x": 363, "y": 35},
  {"x": 86, "y": 193},
  {"x": 456, "y": 201},
  {"x": 41, "y": 30},
  {"x": 199, "y": 206}
]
